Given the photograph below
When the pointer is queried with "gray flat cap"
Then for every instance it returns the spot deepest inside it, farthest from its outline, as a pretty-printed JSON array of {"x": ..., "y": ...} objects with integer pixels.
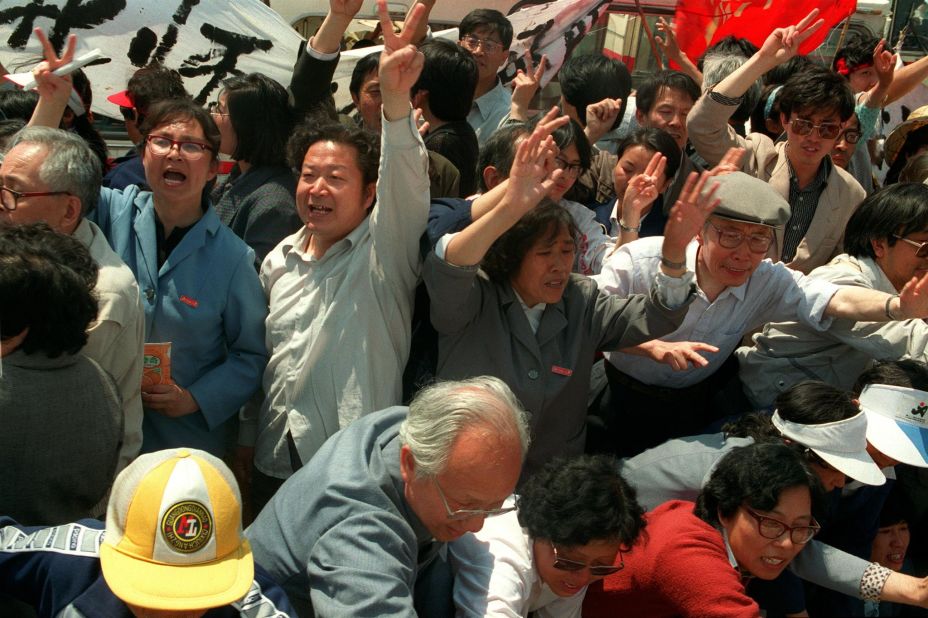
[{"x": 749, "y": 199}]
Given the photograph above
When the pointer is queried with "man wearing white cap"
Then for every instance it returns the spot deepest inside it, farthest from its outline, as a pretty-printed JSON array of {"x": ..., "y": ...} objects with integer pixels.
[{"x": 173, "y": 547}]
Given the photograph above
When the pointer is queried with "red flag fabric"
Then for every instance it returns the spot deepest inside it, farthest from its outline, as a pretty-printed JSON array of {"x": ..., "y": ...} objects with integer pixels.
[{"x": 700, "y": 23}]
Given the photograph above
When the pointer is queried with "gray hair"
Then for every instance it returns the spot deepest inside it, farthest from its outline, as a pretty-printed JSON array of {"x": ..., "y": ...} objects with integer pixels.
[
  {"x": 69, "y": 166},
  {"x": 442, "y": 411},
  {"x": 716, "y": 67}
]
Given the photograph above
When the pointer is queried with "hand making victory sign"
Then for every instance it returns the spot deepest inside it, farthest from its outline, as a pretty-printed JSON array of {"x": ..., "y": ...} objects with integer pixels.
[{"x": 400, "y": 62}]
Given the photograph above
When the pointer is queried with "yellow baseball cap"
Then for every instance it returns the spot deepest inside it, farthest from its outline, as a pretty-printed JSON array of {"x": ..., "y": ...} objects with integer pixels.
[{"x": 174, "y": 533}]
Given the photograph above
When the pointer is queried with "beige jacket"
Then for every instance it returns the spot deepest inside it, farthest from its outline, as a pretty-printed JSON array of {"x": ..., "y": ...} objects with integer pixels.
[{"x": 712, "y": 136}]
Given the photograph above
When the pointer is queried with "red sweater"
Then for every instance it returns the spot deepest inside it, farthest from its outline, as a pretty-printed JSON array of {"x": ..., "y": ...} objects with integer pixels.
[{"x": 678, "y": 568}]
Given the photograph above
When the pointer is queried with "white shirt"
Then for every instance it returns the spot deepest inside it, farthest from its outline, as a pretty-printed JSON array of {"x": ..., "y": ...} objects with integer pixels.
[
  {"x": 338, "y": 328},
  {"x": 593, "y": 244},
  {"x": 495, "y": 574},
  {"x": 772, "y": 293}
]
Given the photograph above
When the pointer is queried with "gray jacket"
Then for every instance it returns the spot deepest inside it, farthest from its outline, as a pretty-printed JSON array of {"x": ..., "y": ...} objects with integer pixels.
[{"x": 339, "y": 536}]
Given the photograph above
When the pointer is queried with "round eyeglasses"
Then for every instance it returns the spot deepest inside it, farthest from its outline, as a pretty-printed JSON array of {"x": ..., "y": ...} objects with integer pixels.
[
  {"x": 462, "y": 514},
  {"x": 732, "y": 239}
]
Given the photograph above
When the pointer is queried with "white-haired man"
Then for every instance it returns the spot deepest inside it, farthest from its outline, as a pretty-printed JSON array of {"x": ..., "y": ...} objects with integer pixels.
[{"x": 357, "y": 530}]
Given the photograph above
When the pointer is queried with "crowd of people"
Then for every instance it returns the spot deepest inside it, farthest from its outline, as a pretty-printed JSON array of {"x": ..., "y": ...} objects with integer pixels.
[{"x": 455, "y": 355}]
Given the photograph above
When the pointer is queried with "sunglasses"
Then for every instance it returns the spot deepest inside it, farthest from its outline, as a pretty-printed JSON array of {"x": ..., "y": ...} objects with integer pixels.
[
  {"x": 921, "y": 248},
  {"x": 826, "y": 130},
  {"x": 563, "y": 564}
]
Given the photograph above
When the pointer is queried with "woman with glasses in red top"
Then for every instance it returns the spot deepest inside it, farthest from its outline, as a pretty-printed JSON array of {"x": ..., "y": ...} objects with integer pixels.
[
  {"x": 752, "y": 518},
  {"x": 573, "y": 519}
]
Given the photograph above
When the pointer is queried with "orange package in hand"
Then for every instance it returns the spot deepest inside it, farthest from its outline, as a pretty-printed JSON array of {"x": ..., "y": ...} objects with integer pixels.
[{"x": 156, "y": 367}]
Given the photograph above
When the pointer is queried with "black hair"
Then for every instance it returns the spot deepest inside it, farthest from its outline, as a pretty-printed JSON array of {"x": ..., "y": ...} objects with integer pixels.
[
  {"x": 762, "y": 112},
  {"x": 897, "y": 509},
  {"x": 81, "y": 124},
  {"x": 573, "y": 501},
  {"x": 449, "y": 74},
  {"x": 571, "y": 134},
  {"x": 654, "y": 140},
  {"x": 755, "y": 476},
  {"x": 807, "y": 403},
  {"x": 648, "y": 92},
  {"x": 154, "y": 83},
  {"x": 261, "y": 117},
  {"x": 504, "y": 258},
  {"x": 365, "y": 144},
  {"x": 857, "y": 50},
  {"x": 728, "y": 46},
  {"x": 362, "y": 69},
  {"x": 817, "y": 89},
  {"x": 488, "y": 18},
  {"x": 897, "y": 209},
  {"x": 905, "y": 373},
  {"x": 18, "y": 104},
  {"x": 778, "y": 75},
  {"x": 47, "y": 283},
  {"x": 500, "y": 151},
  {"x": 171, "y": 110},
  {"x": 590, "y": 79},
  {"x": 9, "y": 128}
]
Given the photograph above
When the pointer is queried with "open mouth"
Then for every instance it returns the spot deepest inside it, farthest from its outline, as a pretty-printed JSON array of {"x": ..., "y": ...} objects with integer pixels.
[
  {"x": 771, "y": 561},
  {"x": 174, "y": 178},
  {"x": 319, "y": 210}
]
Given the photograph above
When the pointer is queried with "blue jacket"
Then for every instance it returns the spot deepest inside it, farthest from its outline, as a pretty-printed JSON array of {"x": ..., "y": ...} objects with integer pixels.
[
  {"x": 207, "y": 301},
  {"x": 58, "y": 570}
]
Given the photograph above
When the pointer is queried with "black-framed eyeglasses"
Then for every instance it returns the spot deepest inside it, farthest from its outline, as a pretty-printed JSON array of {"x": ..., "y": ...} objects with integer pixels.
[
  {"x": 774, "y": 529},
  {"x": 826, "y": 130},
  {"x": 921, "y": 248},
  {"x": 474, "y": 43},
  {"x": 732, "y": 239},
  {"x": 462, "y": 514},
  {"x": 596, "y": 570},
  {"x": 161, "y": 146},
  {"x": 9, "y": 198},
  {"x": 851, "y": 136},
  {"x": 215, "y": 108},
  {"x": 574, "y": 169}
]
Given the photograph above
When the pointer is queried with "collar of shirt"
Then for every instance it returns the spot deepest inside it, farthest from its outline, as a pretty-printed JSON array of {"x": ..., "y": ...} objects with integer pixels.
[
  {"x": 819, "y": 182},
  {"x": 874, "y": 273},
  {"x": 302, "y": 240},
  {"x": 490, "y": 99},
  {"x": 532, "y": 314}
]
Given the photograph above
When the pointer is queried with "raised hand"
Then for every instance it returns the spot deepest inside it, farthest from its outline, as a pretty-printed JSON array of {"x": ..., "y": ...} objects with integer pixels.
[
  {"x": 783, "y": 43},
  {"x": 884, "y": 65},
  {"x": 53, "y": 90},
  {"x": 533, "y": 172},
  {"x": 913, "y": 299},
  {"x": 345, "y": 8},
  {"x": 400, "y": 62},
  {"x": 731, "y": 162},
  {"x": 600, "y": 117},
  {"x": 668, "y": 42},
  {"x": 688, "y": 215},
  {"x": 525, "y": 85},
  {"x": 642, "y": 190}
]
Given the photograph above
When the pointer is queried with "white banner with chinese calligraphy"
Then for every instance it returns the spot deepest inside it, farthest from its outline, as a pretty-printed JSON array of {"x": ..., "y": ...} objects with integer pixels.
[{"x": 205, "y": 40}]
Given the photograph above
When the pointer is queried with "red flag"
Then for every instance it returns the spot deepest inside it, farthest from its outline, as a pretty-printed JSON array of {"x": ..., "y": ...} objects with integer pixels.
[{"x": 700, "y": 23}]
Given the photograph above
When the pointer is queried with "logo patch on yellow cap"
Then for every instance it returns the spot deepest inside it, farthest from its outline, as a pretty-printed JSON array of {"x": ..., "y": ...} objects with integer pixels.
[{"x": 187, "y": 526}]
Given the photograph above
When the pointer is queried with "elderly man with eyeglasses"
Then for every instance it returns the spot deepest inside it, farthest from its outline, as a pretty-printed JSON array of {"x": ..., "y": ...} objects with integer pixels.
[
  {"x": 357, "y": 531},
  {"x": 51, "y": 176},
  {"x": 688, "y": 379},
  {"x": 886, "y": 244}
]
